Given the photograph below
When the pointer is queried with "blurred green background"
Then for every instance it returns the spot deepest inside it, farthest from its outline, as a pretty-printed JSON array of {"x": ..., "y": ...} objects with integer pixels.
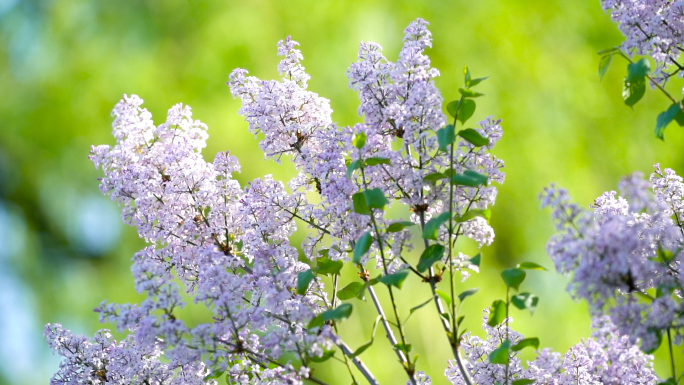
[{"x": 64, "y": 64}]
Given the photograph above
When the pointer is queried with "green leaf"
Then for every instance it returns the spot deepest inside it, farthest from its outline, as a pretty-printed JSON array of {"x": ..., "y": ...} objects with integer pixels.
[
  {"x": 470, "y": 214},
  {"x": 669, "y": 381},
  {"x": 415, "y": 308},
  {"x": 375, "y": 198},
  {"x": 466, "y": 110},
  {"x": 315, "y": 322},
  {"x": 665, "y": 118},
  {"x": 327, "y": 354},
  {"x": 398, "y": 226},
  {"x": 497, "y": 313},
  {"x": 216, "y": 373},
  {"x": 523, "y": 381},
  {"x": 477, "y": 81},
  {"x": 476, "y": 259},
  {"x": 433, "y": 225},
  {"x": 459, "y": 320},
  {"x": 633, "y": 92},
  {"x": 603, "y": 65},
  {"x": 431, "y": 255},
  {"x": 473, "y": 137},
  {"x": 304, "y": 278},
  {"x": 468, "y": 93},
  {"x": 350, "y": 291},
  {"x": 326, "y": 266},
  {"x": 637, "y": 71},
  {"x": 406, "y": 348},
  {"x": 444, "y": 296},
  {"x": 525, "y": 301},
  {"x": 500, "y": 354},
  {"x": 609, "y": 50},
  {"x": 366, "y": 285},
  {"x": 434, "y": 177},
  {"x": 359, "y": 140},
  {"x": 374, "y": 161},
  {"x": 338, "y": 314},
  {"x": 361, "y": 247},
  {"x": 531, "y": 266},
  {"x": 513, "y": 277},
  {"x": 469, "y": 178},
  {"x": 361, "y": 349},
  {"x": 531, "y": 342},
  {"x": 452, "y": 108},
  {"x": 446, "y": 136},
  {"x": 368, "y": 344},
  {"x": 679, "y": 118},
  {"x": 353, "y": 166},
  {"x": 395, "y": 279},
  {"x": 466, "y": 76},
  {"x": 360, "y": 206},
  {"x": 467, "y": 293}
]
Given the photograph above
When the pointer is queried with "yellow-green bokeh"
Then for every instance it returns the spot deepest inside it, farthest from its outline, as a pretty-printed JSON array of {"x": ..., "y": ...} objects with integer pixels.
[{"x": 64, "y": 64}]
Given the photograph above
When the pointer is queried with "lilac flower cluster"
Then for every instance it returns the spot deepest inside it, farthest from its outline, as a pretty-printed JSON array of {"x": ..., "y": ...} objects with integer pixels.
[
  {"x": 228, "y": 247},
  {"x": 608, "y": 358},
  {"x": 625, "y": 255},
  {"x": 651, "y": 27}
]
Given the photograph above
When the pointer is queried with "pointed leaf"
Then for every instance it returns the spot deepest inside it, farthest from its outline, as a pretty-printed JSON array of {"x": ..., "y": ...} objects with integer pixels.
[
  {"x": 353, "y": 166},
  {"x": 513, "y": 277},
  {"x": 468, "y": 93},
  {"x": 360, "y": 206},
  {"x": 338, "y": 314},
  {"x": 525, "y": 301},
  {"x": 523, "y": 381},
  {"x": 362, "y": 246},
  {"x": 531, "y": 342},
  {"x": 326, "y": 266},
  {"x": 398, "y": 226},
  {"x": 466, "y": 110},
  {"x": 376, "y": 160},
  {"x": 375, "y": 198},
  {"x": 434, "y": 177},
  {"x": 473, "y": 137},
  {"x": 665, "y": 118},
  {"x": 603, "y": 65},
  {"x": 531, "y": 266},
  {"x": 500, "y": 354},
  {"x": 359, "y": 140},
  {"x": 476, "y": 259},
  {"x": 469, "y": 178},
  {"x": 445, "y": 137},
  {"x": 431, "y": 255},
  {"x": 637, "y": 71},
  {"x": 433, "y": 225},
  {"x": 445, "y": 297},
  {"x": 477, "y": 81},
  {"x": 406, "y": 348},
  {"x": 395, "y": 279},
  {"x": 633, "y": 92},
  {"x": 349, "y": 291},
  {"x": 497, "y": 313},
  {"x": 416, "y": 308},
  {"x": 466, "y": 76},
  {"x": 452, "y": 108},
  {"x": 467, "y": 293},
  {"x": 303, "y": 280}
]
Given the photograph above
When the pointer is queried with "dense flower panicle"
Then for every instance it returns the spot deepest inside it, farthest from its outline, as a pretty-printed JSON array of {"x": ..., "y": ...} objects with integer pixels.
[
  {"x": 228, "y": 247},
  {"x": 607, "y": 358},
  {"x": 651, "y": 27},
  {"x": 625, "y": 255}
]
